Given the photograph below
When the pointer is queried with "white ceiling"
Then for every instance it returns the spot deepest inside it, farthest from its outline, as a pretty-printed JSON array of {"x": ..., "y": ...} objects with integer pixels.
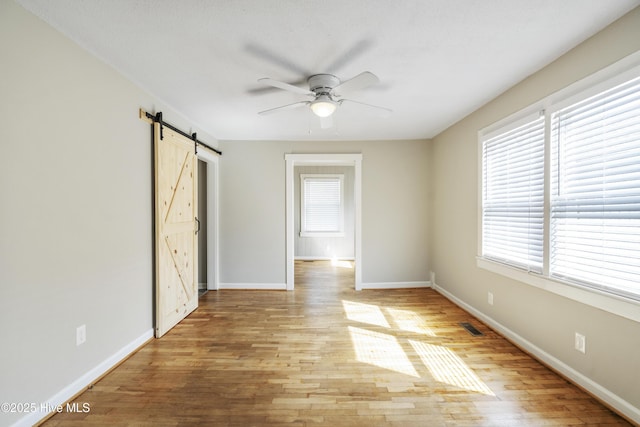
[{"x": 438, "y": 60}]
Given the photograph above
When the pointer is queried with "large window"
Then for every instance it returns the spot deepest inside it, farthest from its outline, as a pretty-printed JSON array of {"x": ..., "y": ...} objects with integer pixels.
[
  {"x": 595, "y": 196},
  {"x": 582, "y": 224},
  {"x": 513, "y": 195},
  {"x": 322, "y": 205}
]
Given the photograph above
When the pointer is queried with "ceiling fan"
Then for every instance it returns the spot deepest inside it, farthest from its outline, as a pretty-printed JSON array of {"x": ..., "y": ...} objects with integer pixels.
[{"x": 327, "y": 92}]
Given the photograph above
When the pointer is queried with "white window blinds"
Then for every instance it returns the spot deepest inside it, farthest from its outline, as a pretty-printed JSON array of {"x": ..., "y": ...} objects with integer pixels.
[
  {"x": 322, "y": 209},
  {"x": 595, "y": 191},
  {"x": 513, "y": 196}
]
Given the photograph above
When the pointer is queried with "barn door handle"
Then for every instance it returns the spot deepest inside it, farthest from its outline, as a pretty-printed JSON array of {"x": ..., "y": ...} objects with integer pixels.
[{"x": 198, "y": 223}]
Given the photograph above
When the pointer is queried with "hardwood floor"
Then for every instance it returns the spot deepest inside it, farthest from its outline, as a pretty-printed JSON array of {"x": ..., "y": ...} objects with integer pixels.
[{"x": 328, "y": 355}]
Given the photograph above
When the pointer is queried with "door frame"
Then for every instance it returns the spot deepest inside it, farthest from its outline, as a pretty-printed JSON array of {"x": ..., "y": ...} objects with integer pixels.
[
  {"x": 213, "y": 253},
  {"x": 293, "y": 160}
]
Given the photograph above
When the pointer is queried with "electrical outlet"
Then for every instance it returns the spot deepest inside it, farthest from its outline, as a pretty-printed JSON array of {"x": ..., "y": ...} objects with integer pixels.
[
  {"x": 490, "y": 298},
  {"x": 81, "y": 334},
  {"x": 580, "y": 343}
]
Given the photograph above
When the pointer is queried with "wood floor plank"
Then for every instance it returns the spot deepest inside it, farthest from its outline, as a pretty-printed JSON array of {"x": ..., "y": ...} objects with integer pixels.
[{"x": 325, "y": 354}]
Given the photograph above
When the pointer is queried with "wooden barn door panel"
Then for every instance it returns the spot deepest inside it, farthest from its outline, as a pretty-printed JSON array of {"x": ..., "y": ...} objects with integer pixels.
[{"x": 176, "y": 242}]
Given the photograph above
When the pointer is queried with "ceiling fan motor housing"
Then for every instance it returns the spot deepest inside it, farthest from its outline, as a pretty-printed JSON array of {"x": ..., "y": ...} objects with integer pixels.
[{"x": 322, "y": 83}]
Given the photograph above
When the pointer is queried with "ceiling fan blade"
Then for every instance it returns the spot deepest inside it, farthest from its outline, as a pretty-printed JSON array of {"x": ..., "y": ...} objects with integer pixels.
[
  {"x": 262, "y": 90},
  {"x": 348, "y": 56},
  {"x": 285, "y": 107},
  {"x": 358, "y": 82},
  {"x": 275, "y": 58},
  {"x": 285, "y": 86},
  {"x": 384, "y": 112}
]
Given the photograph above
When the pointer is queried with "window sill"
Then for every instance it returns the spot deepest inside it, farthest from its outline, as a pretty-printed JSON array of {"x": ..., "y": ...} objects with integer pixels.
[
  {"x": 321, "y": 234},
  {"x": 614, "y": 304}
]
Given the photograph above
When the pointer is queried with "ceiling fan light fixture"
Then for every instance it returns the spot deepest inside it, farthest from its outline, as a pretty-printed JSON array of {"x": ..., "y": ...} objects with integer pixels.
[{"x": 323, "y": 106}]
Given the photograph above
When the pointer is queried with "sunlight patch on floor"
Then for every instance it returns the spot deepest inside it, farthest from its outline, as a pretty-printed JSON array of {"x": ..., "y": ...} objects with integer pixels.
[
  {"x": 384, "y": 350},
  {"x": 446, "y": 367},
  {"x": 335, "y": 262},
  {"x": 409, "y": 321},
  {"x": 381, "y": 350},
  {"x": 365, "y": 313}
]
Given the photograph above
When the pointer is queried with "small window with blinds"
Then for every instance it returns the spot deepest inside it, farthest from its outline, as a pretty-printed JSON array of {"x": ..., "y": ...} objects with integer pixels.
[
  {"x": 513, "y": 196},
  {"x": 321, "y": 205},
  {"x": 595, "y": 191}
]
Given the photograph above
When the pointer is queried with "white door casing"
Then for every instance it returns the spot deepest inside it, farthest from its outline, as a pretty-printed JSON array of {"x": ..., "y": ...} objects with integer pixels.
[{"x": 292, "y": 160}]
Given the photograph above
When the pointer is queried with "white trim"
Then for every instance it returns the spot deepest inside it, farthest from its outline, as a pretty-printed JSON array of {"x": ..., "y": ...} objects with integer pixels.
[
  {"x": 289, "y": 219},
  {"x": 608, "y": 302},
  {"x": 603, "y": 80},
  {"x": 479, "y": 192},
  {"x": 512, "y": 122},
  {"x": 321, "y": 234},
  {"x": 292, "y": 160},
  {"x": 619, "y": 404},
  {"x": 207, "y": 155},
  {"x": 357, "y": 194},
  {"x": 323, "y": 258},
  {"x": 396, "y": 285},
  {"x": 84, "y": 381},
  {"x": 213, "y": 197},
  {"x": 254, "y": 286}
]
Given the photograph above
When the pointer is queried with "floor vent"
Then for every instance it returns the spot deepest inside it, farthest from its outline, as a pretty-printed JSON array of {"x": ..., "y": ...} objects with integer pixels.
[{"x": 471, "y": 329}]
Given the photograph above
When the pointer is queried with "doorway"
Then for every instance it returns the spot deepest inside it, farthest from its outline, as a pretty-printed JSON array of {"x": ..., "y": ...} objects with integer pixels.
[
  {"x": 337, "y": 160},
  {"x": 209, "y": 274},
  {"x": 202, "y": 227}
]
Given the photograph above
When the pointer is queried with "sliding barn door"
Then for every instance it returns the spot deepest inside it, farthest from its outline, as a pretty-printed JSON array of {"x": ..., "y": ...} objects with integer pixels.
[{"x": 175, "y": 215}]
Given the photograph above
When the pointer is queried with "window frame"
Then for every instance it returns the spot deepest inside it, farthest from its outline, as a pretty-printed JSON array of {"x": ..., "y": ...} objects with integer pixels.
[
  {"x": 598, "y": 297},
  {"x": 303, "y": 220},
  {"x": 528, "y": 265},
  {"x": 601, "y": 190}
]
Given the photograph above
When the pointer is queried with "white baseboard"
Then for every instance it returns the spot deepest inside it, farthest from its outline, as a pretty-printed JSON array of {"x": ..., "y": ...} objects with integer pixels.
[
  {"x": 395, "y": 285},
  {"x": 67, "y": 393},
  {"x": 283, "y": 286},
  {"x": 254, "y": 286},
  {"x": 322, "y": 258},
  {"x": 613, "y": 400}
]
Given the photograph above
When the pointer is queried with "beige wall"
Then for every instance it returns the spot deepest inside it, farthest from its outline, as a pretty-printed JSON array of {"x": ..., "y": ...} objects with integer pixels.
[
  {"x": 546, "y": 320},
  {"x": 394, "y": 208},
  {"x": 75, "y": 210}
]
